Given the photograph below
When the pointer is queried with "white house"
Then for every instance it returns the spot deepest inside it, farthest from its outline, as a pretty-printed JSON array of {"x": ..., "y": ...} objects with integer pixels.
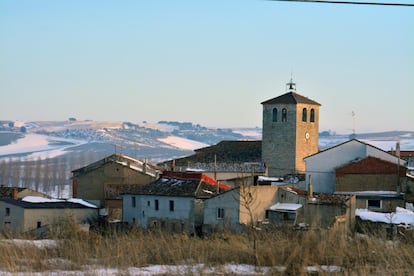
[
  {"x": 320, "y": 167},
  {"x": 174, "y": 202}
]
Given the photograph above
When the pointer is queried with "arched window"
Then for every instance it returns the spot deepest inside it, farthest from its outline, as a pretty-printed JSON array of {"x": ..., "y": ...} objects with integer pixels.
[
  {"x": 274, "y": 115},
  {"x": 284, "y": 115},
  {"x": 312, "y": 115},
  {"x": 304, "y": 115}
]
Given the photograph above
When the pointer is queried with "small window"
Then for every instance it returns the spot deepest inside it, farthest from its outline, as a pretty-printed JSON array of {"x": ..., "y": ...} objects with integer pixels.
[
  {"x": 171, "y": 205},
  {"x": 220, "y": 213},
  {"x": 148, "y": 203},
  {"x": 312, "y": 115},
  {"x": 156, "y": 205},
  {"x": 304, "y": 115},
  {"x": 374, "y": 203},
  {"x": 284, "y": 115},
  {"x": 7, "y": 212},
  {"x": 274, "y": 115},
  {"x": 134, "y": 202},
  {"x": 39, "y": 224}
]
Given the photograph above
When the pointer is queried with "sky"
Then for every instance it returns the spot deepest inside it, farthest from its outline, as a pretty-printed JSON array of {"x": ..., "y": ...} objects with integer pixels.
[{"x": 207, "y": 62}]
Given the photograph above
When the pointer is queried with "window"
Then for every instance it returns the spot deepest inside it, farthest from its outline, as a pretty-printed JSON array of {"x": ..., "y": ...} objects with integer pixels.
[
  {"x": 304, "y": 115},
  {"x": 284, "y": 115},
  {"x": 148, "y": 203},
  {"x": 39, "y": 224},
  {"x": 7, "y": 212},
  {"x": 220, "y": 213},
  {"x": 274, "y": 115},
  {"x": 157, "y": 207},
  {"x": 374, "y": 203},
  {"x": 134, "y": 202},
  {"x": 312, "y": 115},
  {"x": 171, "y": 205}
]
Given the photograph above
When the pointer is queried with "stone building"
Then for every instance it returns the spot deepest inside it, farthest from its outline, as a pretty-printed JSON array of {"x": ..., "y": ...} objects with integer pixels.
[
  {"x": 290, "y": 132},
  {"x": 103, "y": 182}
]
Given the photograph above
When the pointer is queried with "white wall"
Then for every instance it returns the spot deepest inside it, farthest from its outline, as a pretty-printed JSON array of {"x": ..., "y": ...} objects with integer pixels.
[
  {"x": 321, "y": 166},
  {"x": 183, "y": 208}
]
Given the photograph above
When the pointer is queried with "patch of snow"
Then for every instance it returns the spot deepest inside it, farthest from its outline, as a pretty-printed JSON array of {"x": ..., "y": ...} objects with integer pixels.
[
  {"x": 38, "y": 199},
  {"x": 39, "y": 145},
  {"x": 398, "y": 217},
  {"x": 81, "y": 201},
  {"x": 182, "y": 143},
  {"x": 37, "y": 243},
  {"x": 285, "y": 207}
]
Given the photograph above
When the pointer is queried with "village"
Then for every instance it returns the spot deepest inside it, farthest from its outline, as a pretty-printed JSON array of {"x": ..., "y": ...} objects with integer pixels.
[{"x": 284, "y": 180}]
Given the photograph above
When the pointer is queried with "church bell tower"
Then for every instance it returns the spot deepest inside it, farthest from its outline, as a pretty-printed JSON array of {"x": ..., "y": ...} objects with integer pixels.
[{"x": 290, "y": 132}]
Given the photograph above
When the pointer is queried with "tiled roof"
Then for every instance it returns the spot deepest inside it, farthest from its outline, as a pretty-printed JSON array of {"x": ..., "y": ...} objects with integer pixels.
[
  {"x": 182, "y": 184},
  {"x": 291, "y": 98},
  {"x": 228, "y": 156},
  {"x": 44, "y": 205},
  {"x": 123, "y": 160},
  {"x": 370, "y": 165}
]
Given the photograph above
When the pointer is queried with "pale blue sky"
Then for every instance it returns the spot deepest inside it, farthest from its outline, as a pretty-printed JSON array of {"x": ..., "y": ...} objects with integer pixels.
[{"x": 208, "y": 62}]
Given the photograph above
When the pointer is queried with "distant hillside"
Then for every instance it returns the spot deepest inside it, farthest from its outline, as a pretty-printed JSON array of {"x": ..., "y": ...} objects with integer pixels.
[{"x": 41, "y": 155}]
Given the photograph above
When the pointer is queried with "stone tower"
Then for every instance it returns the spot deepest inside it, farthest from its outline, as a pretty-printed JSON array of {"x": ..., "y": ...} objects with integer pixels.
[{"x": 290, "y": 132}]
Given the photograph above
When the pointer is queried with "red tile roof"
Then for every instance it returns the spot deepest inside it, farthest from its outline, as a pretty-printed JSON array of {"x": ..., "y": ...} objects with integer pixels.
[{"x": 370, "y": 165}]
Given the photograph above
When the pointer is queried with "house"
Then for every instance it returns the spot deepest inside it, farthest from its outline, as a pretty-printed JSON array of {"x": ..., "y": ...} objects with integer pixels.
[
  {"x": 103, "y": 181},
  {"x": 19, "y": 192},
  {"x": 174, "y": 202},
  {"x": 227, "y": 162},
  {"x": 299, "y": 208},
  {"x": 321, "y": 166},
  {"x": 377, "y": 183},
  {"x": 31, "y": 212},
  {"x": 237, "y": 208}
]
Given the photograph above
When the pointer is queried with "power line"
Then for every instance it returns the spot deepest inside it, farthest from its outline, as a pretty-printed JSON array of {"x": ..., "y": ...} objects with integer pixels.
[{"x": 348, "y": 2}]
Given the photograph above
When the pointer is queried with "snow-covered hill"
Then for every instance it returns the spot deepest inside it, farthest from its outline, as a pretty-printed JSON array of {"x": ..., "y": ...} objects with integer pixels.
[{"x": 41, "y": 155}]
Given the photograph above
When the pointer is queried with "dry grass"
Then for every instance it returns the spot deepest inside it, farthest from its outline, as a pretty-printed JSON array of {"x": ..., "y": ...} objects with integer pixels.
[{"x": 293, "y": 250}]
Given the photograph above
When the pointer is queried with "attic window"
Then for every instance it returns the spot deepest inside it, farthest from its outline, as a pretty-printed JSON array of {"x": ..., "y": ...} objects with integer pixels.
[
  {"x": 284, "y": 115},
  {"x": 274, "y": 115}
]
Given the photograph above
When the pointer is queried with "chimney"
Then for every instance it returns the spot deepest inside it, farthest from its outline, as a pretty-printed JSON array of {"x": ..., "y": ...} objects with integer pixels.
[{"x": 15, "y": 194}]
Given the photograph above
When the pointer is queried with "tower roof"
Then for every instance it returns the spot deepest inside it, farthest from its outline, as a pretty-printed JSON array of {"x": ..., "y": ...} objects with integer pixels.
[{"x": 291, "y": 98}]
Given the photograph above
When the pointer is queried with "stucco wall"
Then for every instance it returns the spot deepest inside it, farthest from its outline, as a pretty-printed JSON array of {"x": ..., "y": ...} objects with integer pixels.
[
  {"x": 145, "y": 215},
  {"x": 99, "y": 184},
  {"x": 22, "y": 220},
  {"x": 14, "y": 221}
]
